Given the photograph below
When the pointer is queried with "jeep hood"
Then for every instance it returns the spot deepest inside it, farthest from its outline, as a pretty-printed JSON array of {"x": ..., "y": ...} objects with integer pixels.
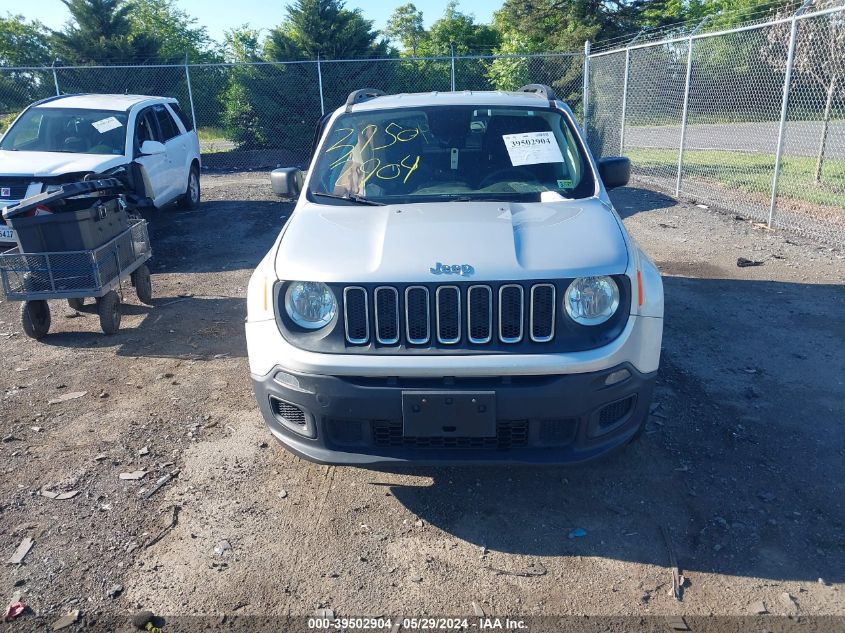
[
  {"x": 400, "y": 243},
  {"x": 48, "y": 164}
]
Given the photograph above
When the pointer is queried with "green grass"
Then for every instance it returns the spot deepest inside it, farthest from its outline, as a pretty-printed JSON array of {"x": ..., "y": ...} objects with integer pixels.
[
  {"x": 211, "y": 134},
  {"x": 752, "y": 172},
  {"x": 6, "y": 120}
]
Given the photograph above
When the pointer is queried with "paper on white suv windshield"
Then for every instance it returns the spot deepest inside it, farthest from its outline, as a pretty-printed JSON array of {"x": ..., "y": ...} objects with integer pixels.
[
  {"x": 104, "y": 125},
  {"x": 532, "y": 148}
]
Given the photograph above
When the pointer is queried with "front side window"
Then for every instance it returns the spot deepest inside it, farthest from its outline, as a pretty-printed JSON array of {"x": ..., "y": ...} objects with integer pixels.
[
  {"x": 146, "y": 128},
  {"x": 457, "y": 153},
  {"x": 70, "y": 130},
  {"x": 166, "y": 124}
]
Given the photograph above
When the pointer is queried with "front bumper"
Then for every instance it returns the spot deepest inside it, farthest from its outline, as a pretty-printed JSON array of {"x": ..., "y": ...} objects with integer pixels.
[{"x": 540, "y": 419}]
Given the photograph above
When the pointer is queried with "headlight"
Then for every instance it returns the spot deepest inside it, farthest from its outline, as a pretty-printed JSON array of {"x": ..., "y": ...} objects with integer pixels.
[
  {"x": 310, "y": 304},
  {"x": 591, "y": 300}
]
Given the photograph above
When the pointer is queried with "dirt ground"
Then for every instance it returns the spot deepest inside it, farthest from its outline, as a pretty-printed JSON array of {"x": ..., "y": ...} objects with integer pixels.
[{"x": 742, "y": 461}]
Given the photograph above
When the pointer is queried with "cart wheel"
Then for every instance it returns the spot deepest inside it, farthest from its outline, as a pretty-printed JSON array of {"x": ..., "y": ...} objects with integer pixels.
[
  {"x": 108, "y": 307},
  {"x": 35, "y": 318},
  {"x": 143, "y": 284},
  {"x": 76, "y": 304}
]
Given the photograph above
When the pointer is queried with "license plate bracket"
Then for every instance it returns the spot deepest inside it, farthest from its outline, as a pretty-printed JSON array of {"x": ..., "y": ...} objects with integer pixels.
[{"x": 449, "y": 413}]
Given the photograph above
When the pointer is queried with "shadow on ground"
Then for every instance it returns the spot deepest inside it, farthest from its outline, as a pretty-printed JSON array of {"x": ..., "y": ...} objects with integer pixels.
[
  {"x": 632, "y": 200},
  {"x": 200, "y": 328},
  {"x": 220, "y": 235},
  {"x": 744, "y": 475}
]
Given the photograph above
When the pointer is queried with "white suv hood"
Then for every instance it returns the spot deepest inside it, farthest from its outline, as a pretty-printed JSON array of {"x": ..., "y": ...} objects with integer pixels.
[
  {"x": 499, "y": 240},
  {"x": 46, "y": 164}
]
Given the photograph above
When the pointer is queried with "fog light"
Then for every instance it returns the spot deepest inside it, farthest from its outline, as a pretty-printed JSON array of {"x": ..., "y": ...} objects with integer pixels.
[{"x": 617, "y": 376}]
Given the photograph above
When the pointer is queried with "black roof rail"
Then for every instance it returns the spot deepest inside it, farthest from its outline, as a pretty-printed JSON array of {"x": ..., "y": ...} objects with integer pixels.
[
  {"x": 540, "y": 89},
  {"x": 362, "y": 95}
]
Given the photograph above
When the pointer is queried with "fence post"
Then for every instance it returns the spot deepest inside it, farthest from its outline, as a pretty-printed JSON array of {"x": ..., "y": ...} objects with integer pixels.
[
  {"x": 625, "y": 91},
  {"x": 624, "y": 102},
  {"x": 56, "y": 78},
  {"x": 685, "y": 113},
  {"x": 190, "y": 92},
  {"x": 452, "y": 50},
  {"x": 585, "y": 98},
  {"x": 784, "y": 108},
  {"x": 684, "y": 120},
  {"x": 320, "y": 84}
]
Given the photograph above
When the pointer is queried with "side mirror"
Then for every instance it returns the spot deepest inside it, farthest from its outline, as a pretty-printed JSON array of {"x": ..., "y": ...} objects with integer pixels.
[
  {"x": 150, "y": 148},
  {"x": 286, "y": 181},
  {"x": 614, "y": 171}
]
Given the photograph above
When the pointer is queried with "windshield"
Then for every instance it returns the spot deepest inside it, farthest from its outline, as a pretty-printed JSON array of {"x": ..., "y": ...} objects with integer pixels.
[
  {"x": 68, "y": 130},
  {"x": 451, "y": 153}
]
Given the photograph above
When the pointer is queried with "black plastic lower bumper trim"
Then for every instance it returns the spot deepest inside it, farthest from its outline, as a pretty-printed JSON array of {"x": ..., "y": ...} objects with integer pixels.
[{"x": 539, "y": 419}]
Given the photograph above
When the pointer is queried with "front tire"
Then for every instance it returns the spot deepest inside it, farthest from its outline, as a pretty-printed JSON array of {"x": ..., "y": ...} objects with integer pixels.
[
  {"x": 143, "y": 284},
  {"x": 35, "y": 318},
  {"x": 108, "y": 307},
  {"x": 191, "y": 198}
]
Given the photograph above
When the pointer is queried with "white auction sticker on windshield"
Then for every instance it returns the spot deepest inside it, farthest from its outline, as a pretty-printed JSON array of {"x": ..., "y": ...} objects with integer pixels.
[
  {"x": 532, "y": 148},
  {"x": 104, "y": 125}
]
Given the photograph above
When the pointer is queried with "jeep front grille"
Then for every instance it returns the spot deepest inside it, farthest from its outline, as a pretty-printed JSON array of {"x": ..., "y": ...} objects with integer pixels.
[
  {"x": 417, "y": 309},
  {"x": 511, "y": 300},
  {"x": 356, "y": 315},
  {"x": 480, "y": 314},
  {"x": 449, "y": 315},
  {"x": 387, "y": 315},
  {"x": 542, "y": 319}
]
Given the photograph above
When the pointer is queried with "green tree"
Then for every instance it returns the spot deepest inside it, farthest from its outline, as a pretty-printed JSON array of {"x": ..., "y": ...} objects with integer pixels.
[
  {"x": 176, "y": 31},
  {"x": 510, "y": 72},
  {"x": 99, "y": 31},
  {"x": 326, "y": 28},
  {"x": 458, "y": 29},
  {"x": 658, "y": 13},
  {"x": 555, "y": 25},
  {"x": 405, "y": 26},
  {"x": 271, "y": 108},
  {"x": 241, "y": 117},
  {"x": 22, "y": 43},
  {"x": 535, "y": 26}
]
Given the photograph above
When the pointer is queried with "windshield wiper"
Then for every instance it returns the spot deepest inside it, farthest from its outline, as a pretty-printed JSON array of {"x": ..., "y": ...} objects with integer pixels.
[
  {"x": 480, "y": 199},
  {"x": 350, "y": 198}
]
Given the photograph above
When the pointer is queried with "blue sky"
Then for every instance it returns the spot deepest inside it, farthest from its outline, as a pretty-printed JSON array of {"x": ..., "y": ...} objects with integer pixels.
[{"x": 220, "y": 15}]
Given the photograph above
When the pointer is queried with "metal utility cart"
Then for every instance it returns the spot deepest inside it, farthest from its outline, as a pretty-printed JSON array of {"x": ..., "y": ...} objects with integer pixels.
[{"x": 37, "y": 275}]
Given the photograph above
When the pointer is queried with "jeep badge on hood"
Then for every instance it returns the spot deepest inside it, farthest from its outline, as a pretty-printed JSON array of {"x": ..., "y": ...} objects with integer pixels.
[{"x": 455, "y": 269}]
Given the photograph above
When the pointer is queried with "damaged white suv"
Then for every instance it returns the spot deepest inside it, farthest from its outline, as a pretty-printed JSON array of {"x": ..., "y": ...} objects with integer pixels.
[{"x": 454, "y": 285}]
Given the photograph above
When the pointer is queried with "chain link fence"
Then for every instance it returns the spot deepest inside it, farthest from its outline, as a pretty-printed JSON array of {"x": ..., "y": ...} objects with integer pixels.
[
  {"x": 750, "y": 119},
  {"x": 262, "y": 115}
]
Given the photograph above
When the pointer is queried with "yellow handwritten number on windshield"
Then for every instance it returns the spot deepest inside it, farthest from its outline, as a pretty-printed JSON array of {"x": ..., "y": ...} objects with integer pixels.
[
  {"x": 373, "y": 167},
  {"x": 391, "y": 171}
]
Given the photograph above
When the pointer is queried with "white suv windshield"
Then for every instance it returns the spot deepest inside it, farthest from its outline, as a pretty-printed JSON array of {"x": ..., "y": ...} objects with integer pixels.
[
  {"x": 69, "y": 130},
  {"x": 451, "y": 153}
]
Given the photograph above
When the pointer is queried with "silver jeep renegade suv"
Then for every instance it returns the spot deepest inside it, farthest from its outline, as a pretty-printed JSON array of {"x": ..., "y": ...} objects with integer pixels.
[{"x": 454, "y": 285}]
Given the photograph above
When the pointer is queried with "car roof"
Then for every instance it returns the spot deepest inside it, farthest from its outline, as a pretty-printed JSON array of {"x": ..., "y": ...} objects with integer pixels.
[
  {"x": 101, "y": 101},
  {"x": 466, "y": 97}
]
